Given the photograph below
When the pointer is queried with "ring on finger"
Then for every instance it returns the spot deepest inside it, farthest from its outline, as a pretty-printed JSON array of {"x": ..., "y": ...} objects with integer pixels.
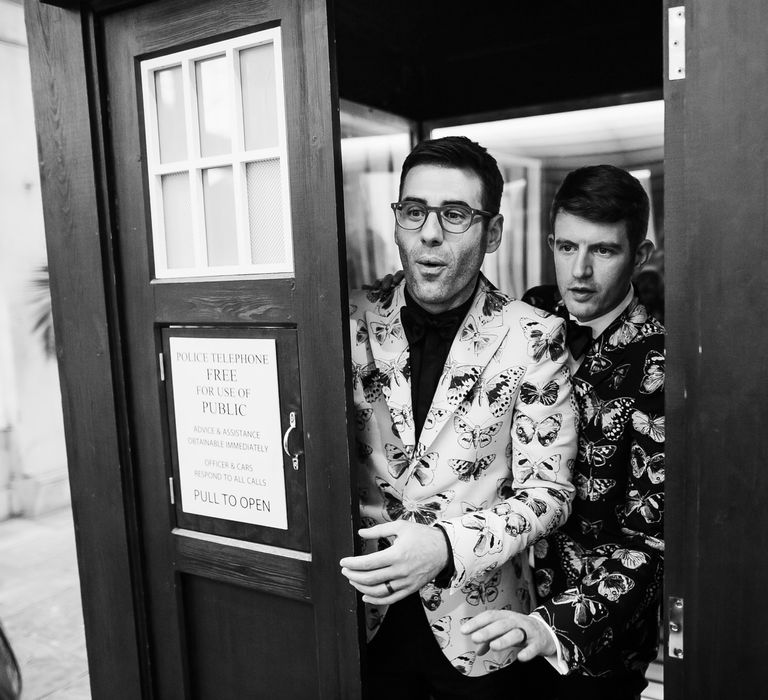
[
  {"x": 389, "y": 587},
  {"x": 525, "y": 637}
]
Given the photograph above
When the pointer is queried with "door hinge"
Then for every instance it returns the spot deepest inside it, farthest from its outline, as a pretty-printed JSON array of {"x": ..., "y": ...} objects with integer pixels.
[
  {"x": 170, "y": 488},
  {"x": 675, "y": 608},
  {"x": 162, "y": 366},
  {"x": 676, "y": 34}
]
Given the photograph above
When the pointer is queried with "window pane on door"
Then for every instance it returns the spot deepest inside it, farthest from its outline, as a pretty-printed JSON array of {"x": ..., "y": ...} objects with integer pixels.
[
  {"x": 177, "y": 221},
  {"x": 217, "y": 159},
  {"x": 214, "y": 106},
  {"x": 172, "y": 135},
  {"x": 257, "y": 76},
  {"x": 265, "y": 216},
  {"x": 220, "y": 227}
]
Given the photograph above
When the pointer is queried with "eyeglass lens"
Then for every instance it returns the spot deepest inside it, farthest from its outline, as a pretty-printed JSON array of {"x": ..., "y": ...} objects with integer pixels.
[{"x": 453, "y": 218}]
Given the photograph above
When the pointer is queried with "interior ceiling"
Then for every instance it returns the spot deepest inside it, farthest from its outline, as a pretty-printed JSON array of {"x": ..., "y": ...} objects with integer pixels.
[
  {"x": 430, "y": 59},
  {"x": 628, "y": 135}
]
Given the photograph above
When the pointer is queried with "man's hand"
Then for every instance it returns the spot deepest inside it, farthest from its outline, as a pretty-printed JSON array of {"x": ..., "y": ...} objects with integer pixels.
[
  {"x": 504, "y": 629},
  {"x": 387, "y": 282},
  {"x": 416, "y": 556}
]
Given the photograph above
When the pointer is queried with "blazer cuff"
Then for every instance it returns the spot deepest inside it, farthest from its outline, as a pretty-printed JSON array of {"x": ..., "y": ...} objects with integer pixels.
[{"x": 556, "y": 660}]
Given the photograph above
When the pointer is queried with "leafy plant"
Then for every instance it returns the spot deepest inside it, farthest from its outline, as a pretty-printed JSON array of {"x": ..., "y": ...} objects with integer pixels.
[{"x": 40, "y": 301}]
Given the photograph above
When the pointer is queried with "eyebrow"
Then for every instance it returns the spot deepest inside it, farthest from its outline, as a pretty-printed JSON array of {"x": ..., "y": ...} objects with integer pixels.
[
  {"x": 446, "y": 202},
  {"x": 598, "y": 244}
]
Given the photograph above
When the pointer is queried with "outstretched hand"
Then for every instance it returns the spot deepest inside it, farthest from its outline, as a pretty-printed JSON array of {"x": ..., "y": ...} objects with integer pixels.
[
  {"x": 386, "y": 283},
  {"x": 503, "y": 629},
  {"x": 418, "y": 554}
]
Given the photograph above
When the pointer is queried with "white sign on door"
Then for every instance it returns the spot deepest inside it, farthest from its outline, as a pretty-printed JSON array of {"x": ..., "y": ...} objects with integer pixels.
[{"x": 227, "y": 413}]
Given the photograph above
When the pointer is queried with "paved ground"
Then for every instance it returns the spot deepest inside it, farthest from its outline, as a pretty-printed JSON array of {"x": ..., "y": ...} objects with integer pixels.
[{"x": 40, "y": 607}]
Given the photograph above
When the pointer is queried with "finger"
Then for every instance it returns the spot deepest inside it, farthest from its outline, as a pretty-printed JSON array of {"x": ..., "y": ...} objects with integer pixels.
[
  {"x": 380, "y": 530},
  {"x": 514, "y": 638},
  {"x": 534, "y": 647},
  {"x": 479, "y": 621},
  {"x": 493, "y": 630},
  {"x": 369, "y": 578},
  {"x": 388, "y": 598},
  {"x": 528, "y": 652},
  {"x": 378, "y": 591},
  {"x": 368, "y": 562},
  {"x": 483, "y": 648}
]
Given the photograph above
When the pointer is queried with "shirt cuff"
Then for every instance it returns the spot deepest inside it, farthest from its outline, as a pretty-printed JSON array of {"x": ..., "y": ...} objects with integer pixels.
[
  {"x": 443, "y": 579},
  {"x": 556, "y": 660}
]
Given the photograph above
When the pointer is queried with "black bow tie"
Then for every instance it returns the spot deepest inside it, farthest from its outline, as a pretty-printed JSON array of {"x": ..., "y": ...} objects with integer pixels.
[
  {"x": 577, "y": 337},
  {"x": 416, "y": 323}
]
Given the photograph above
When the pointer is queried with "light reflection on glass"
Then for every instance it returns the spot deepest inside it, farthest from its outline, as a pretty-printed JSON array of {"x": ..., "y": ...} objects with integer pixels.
[
  {"x": 257, "y": 76},
  {"x": 214, "y": 105},
  {"x": 220, "y": 227},
  {"x": 178, "y": 221},
  {"x": 172, "y": 135}
]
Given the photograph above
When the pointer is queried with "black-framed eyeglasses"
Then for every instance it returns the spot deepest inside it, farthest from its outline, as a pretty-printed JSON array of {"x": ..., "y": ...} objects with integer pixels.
[{"x": 453, "y": 218}]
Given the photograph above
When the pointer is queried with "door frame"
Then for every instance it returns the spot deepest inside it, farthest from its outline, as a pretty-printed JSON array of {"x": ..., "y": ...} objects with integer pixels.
[
  {"x": 716, "y": 209},
  {"x": 70, "y": 119}
]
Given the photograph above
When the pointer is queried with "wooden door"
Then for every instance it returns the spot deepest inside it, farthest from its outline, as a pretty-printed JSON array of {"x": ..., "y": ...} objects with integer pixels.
[
  {"x": 716, "y": 208},
  {"x": 225, "y": 378}
]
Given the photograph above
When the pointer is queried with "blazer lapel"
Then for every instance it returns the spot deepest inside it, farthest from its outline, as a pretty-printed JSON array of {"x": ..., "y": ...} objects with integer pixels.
[
  {"x": 481, "y": 334},
  {"x": 610, "y": 346},
  {"x": 389, "y": 348}
]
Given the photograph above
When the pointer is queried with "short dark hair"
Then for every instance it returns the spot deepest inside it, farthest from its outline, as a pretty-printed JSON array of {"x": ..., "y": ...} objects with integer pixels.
[
  {"x": 464, "y": 154},
  {"x": 604, "y": 194}
]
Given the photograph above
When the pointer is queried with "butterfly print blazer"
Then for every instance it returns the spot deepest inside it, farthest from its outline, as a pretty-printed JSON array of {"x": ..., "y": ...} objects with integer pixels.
[
  {"x": 492, "y": 468},
  {"x": 599, "y": 578}
]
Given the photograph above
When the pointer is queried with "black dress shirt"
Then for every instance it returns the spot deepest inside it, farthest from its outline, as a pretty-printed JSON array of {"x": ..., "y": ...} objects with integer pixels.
[{"x": 429, "y": 341}]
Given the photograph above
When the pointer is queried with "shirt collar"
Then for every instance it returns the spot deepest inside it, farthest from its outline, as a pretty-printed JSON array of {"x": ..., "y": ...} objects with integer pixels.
[{"x": 599, "y": 324}]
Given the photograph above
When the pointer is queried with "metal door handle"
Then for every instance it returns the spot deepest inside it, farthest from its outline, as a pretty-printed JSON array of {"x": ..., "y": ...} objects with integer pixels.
[{"x": 291, "y": 426}]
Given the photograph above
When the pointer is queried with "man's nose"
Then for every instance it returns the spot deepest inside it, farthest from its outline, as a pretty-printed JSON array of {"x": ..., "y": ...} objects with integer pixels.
[
  {"x": 582, "y": 265},
  {"x": 431, "y": 232}
]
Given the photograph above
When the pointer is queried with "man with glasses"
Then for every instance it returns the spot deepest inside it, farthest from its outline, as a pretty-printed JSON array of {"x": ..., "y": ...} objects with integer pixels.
[{"x": 460, "y": 467}]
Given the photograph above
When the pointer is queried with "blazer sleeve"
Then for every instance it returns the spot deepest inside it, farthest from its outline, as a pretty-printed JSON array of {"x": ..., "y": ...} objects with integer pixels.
[
  {"x": 623, "y": 582},
  {"x": 535, "y": 497}
]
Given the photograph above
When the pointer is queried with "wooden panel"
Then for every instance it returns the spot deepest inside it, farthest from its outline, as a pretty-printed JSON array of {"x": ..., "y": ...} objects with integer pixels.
[
  {"x": 716, "y": 242},
  {"x": 241, "y": 565},
  {"x": 84, "y": 346},
  {"x": 324, "y": 343},
  {"x": 225, "y": 301},
  {"x": 245, "y": 644}
]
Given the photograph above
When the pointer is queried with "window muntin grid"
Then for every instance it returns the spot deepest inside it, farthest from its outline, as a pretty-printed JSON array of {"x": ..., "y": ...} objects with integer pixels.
[{"x": 214, "y": 118}]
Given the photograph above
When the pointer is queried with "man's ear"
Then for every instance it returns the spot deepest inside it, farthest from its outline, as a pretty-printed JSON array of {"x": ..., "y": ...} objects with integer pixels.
[
  {"x": 551, "y": 242},
  {"x": 495, "y": 226},
  {"x": 643, "y": 253}
]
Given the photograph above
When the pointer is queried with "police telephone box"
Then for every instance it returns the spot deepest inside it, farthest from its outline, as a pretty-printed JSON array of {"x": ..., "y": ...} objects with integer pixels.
[{"x": 193, "y": 174}]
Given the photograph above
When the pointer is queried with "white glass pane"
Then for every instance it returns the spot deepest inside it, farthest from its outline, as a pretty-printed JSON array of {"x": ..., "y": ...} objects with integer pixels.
[
  {"x": 265, "y": 213},
  {"x": 172, "y": 135},
  {"x": 177, "y": 220},
  {"x": 214, "y": 106},
  {"x": 257, "y": 77},
  {"x": 220, "y": 228}
]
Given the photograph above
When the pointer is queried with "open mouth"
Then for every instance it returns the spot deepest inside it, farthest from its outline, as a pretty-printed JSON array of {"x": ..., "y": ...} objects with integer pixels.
[{"x": 431, "y": 264}]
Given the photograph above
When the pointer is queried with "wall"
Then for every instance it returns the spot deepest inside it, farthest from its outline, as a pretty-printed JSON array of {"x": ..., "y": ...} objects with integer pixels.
[{"x": 33, "y": 475}]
